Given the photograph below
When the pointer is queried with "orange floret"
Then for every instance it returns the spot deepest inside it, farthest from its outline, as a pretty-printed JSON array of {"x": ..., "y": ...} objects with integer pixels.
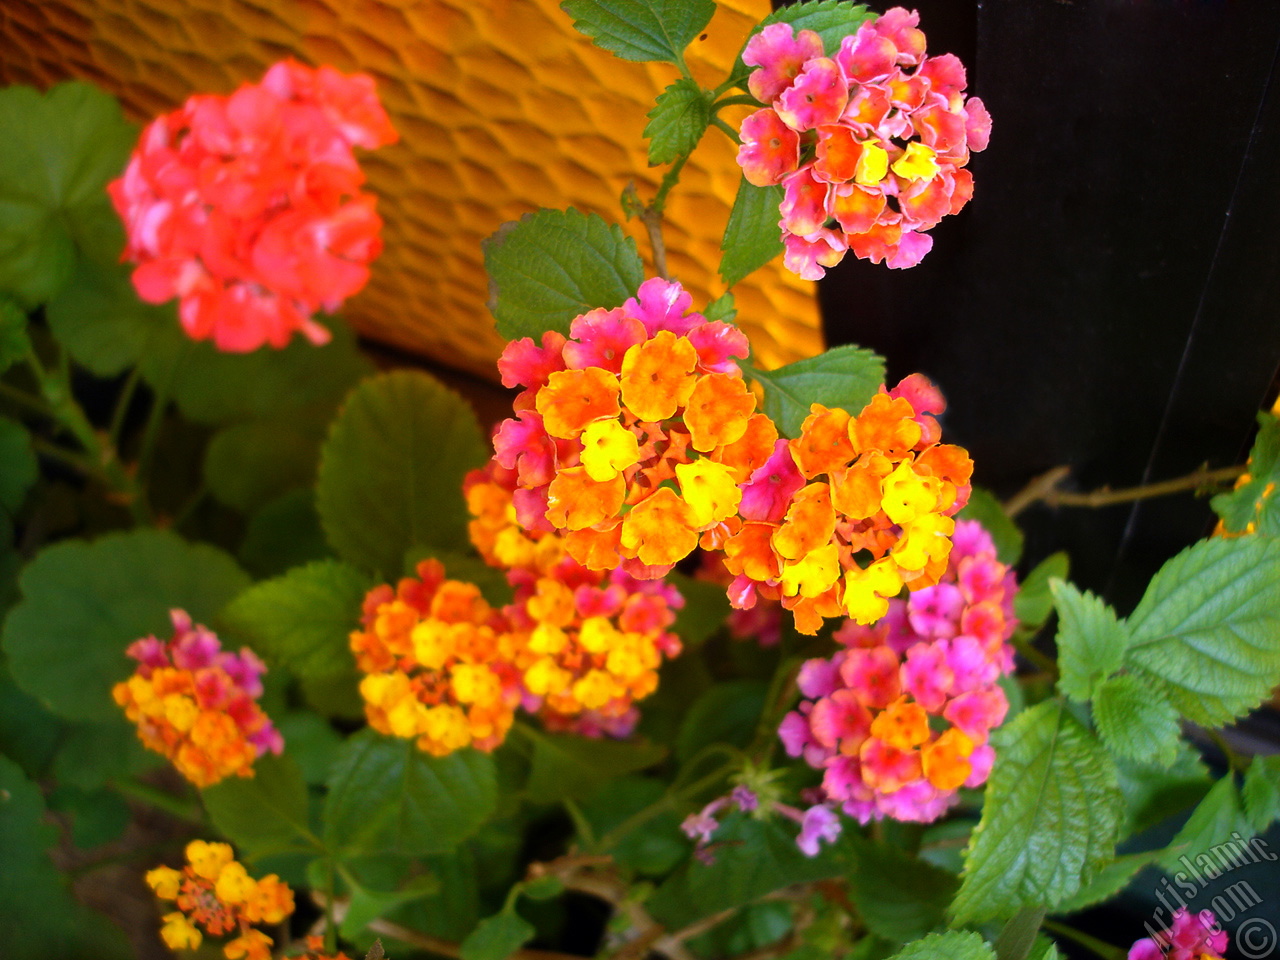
[
  {"x": 886, "y": 426},
  {"x": 575, "y": 501},
  {"x": 718, "y": 411},
  {"x": 572, "y": 399},
  {"x": 823, "y": 445},
  {"x": 658, "y": 376},
  {"x": 752, "y": 450}
]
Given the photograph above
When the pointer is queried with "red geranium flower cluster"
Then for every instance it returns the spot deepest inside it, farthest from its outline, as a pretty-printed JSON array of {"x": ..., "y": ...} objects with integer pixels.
[
  {"x": 248, "y": 207},
  {"x": 869, "y": 144}
]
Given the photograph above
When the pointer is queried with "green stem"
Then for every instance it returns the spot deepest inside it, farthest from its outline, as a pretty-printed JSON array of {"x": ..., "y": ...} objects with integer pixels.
[
  {"x": 580, "y": 822},
  {"x": 188, "y": 508},
  {"x": 122, "y": 408},
  {"x": 159, "y": 799},
  {"x": 1045, "y": 663},
  {"x": 1093, "y": 944},
  {"x": 669, "y": 180},
  {"x": 31, "y": 404},
  {"x": 70, "y": 458},
  {"x": 731, "y": 133},
  {"x": 330, "y": 930},
  {"x": 639, "y": 819},
  {"x": 1234, "y": 760},
  {"x": 743, "y": 99}
]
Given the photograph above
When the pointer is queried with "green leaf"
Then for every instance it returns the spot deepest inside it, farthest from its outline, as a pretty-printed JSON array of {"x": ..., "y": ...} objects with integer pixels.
[
  {"x": 652, "y": 848},
  {"x": 284, "y": 534},
  {"x": 1050, "y": 819},
  {"x": 92, "y": 755},
  {"x": 1033, "y": 602},
  {"x": 468, "y": 568},
  {"x": 1262, "y": 791},
  {"x": 986, "y": 509},
  {"x": 727, "y": 713},
  {"x": 83, "y": 603},
  {"x": 1252, "y": 502},
  {"x": 1152, "y": 795},
  {"x": 564, "y": 765},
  {"x": 496, "y": 937},
  {"x": 34, "y": 898},
  {"x": 303, "y": 620},
  {"x": 832, "y": 20},
  {"x": 387, "y": 795},
  {"x": 751, "y": 238},
  {"x": 14, "y": 342},
  {"x": 641, "y": 30},
  {"x": 367, "y": 905},
  {"x": 391, "y": 471},
  {"x": 722, "y": 308},
  {"x": 752, "y": 858},
  {"x": 18, "y": 467},
  {"x": 1108, "y": 881},
  {"x": 311, "y": 742},
  {"x": 706, "y": 607},
  {"x": 551, "y": 266},
  {"x": 899, "y": 896},
  {"x": 1136, "y": 721},
  {"x": 1018, "y": 938},
  {"x": 952, "y": 945},
  {"x": 1091, "y": 639},
  {"x": 844, "y": 376},
  {"x": 97, "y": 816},
  {"x": 266, "y": 813},
  {"x": 1210, "y": 839},
  {"x": 247, "y": 465},
  {"x": 677, "y": 121},
  {"x": 1207, "y": 630},
  {"x": 29, "y": 733},
  {"x": 542, "y": 888},
  {"x": 59, "y": 150}
]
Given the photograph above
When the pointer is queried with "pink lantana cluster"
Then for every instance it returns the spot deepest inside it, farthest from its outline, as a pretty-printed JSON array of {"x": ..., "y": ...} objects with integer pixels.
[
  {"x": 899, "y": 719},
  {"x": 869, "y": 144},
  {"x": 1192, "y": 936},
  {"x": 248, "y": 207}
]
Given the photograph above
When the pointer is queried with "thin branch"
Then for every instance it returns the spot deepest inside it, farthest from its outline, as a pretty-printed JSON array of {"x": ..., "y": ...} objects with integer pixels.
[
  {"x": 1045, "y": 488},
  {"x": 448, "y": 948}
]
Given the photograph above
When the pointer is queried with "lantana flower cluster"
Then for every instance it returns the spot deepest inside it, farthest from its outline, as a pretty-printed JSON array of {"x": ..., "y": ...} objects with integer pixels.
[
  {"x": 898, "y": 720},
  {"x": 1191, "y": 936},
  {"x": 869, "y": 144},
  {"x": 632, "y": 435},
  {"x": 877, "y": 485},
  {"x": 215, "y": 895},
  {"x": 248, "y": 207},
  {"x": 197, "y": 704},
  {"x": 438, "y": 663}
]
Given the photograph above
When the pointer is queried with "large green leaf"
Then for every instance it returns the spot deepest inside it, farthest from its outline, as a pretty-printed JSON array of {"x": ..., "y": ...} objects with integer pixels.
[
  {"x": 14, "y": 342},
  {"x": 565, "y": 765},
  {"x": 1208, "y": 840},
  {"x": 1108, "y": 881},
  {"x": 497, "y": 937},
  {"x": 1091, "y": 639},
  {"x": 58, "y": 151},
  {"x": 1154, "y": 794},
  {"x": 391, "y": 471},
  {"x": 83, "y": 603},
  {"x": 987, "y": 510},
  {"x": 548, "y": 267},
  {"x": 247, "y": 465},
  {"x": 1050, "y": 819},
  {"x": 1033, "y": 602},
  {"x": 832, "y": 20},
  {"x": 752, "y": 237},
  {"x": 1135, "y": 721},
  {"x": 727, "y": 713},
  {"x": 284, "y": 534},
  {"x": 92, "y": 755},
  {"x": 844, "y": 376},
  {"x": 34, "y": 898},
  {"x": 1261, "y": 791},
  {"x": 899, "y": 897},
  {"x": 267, "y": 813},
  {"x": 952, "y": 945},
  {"x": 1207, "y": 630},
  {"x": 653, "y": 847},
  {"x": 18, "y": 467},
  {"x": 677, "y": 121},
  {"x": 1253, "y": 501},
  {"x": 387, "y": 795},
  {"x": 641, "y": 29}
]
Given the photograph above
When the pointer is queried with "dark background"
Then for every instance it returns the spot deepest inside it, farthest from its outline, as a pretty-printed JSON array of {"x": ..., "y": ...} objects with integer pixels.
[{"x": 1108, "y": 299}]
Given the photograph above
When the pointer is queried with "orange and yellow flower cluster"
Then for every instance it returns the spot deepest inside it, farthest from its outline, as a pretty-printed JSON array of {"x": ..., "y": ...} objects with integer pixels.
[
  {"x": 196, "y": 703},
  {"x": 438, "y": 663},
  {"x": 215, "y": 895}
]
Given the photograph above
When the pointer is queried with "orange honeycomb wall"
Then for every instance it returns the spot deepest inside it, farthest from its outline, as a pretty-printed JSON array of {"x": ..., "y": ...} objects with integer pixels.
[{"x": 502, "y": 108}]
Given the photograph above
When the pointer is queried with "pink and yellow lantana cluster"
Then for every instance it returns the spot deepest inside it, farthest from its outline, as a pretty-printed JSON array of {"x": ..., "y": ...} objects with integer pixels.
[
  {"x": 215, "y": 895},
  {"x": 869, "y": 143},
  {"x": 197, "y": 704},
  {"x": 248, "y": 207},
  {"x": 899, "y": 718}
]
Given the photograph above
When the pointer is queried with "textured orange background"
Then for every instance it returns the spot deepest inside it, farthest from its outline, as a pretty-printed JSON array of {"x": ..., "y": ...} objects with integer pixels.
[{"x": 502, "y": 108}]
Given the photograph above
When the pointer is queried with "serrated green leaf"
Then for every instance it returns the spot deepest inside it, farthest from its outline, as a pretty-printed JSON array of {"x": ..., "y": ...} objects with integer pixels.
[
  {"x": 29, "y": 733},
  {"x": 641, "y": 30},
  {"x": 752, "y": 237},
  {"x": 653, "y": 848},
  {"x": 496, "y": 937},
  {"x": 564, "y": 765},
  {"x": 1136, "y": 721},
  {"x": 247, "y": 465},
  {"x": 14, "y": 342},
  {"x": 952, "y": 945},
  {"x": 18, "y": 466},
  {"x": 727, "y": 713},
  {"x": 899, "y": 896},
  {"x": 1207, "y": 630},
  {"x": 302, "y": 621},
  {"x": 1253, "y": 501},
  {"x": 387, "y": 795},
  {"x": 1108, "y": 881},
  {"x": 677, "y": 121},
  {"x": 1044, "y": 949},
  {"x": 1213, "y": 837},
  {"x": 312, "y": 743},
  {"x": 1091, "y": 639},
  {"x": 59, "y": 150},
  {"x": 1261, "y": 792},
  {"x": 1050, "y": 819},
  {"x": 92, "y": 755},
  {"x": 832, "y": 20},
  {"x": 267, "y": 813},
  {"x": 391, "y": 471},
  {"x": 367, "y": 905},
  {"x": 551, "y": 266},
  {"x": 83, "y": 603},
  {"x": 844, "y": 376},
  {"x": 722, "y": 308},
  {"x": 284, "y": 534},
  {"x": 986, "y": 509},
  {"x": 1033, "y": 602},
  {"x": 97, "y": 816},
  {"x": 1018, "y": 937},
  {"x": 1152, "y": 795},
  {"x": 34, "y": 898}
]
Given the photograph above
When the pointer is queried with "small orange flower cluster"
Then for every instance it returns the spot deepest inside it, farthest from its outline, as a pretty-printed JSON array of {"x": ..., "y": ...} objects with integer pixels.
[
  {"x": 438, "y": 663},
  {"x": 315, "y": 951},
  {"x": 215, "y": 894},
  {"x": 632, "y": 436},
  {"x": 196, "y": 703}
]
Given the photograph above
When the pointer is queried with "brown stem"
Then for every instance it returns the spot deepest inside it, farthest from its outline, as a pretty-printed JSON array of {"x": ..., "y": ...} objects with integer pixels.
[
  {"x": 652, "y": 220},
  {"x": 448, "y": 948},
  {"x": 1045, "y": 488}
]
